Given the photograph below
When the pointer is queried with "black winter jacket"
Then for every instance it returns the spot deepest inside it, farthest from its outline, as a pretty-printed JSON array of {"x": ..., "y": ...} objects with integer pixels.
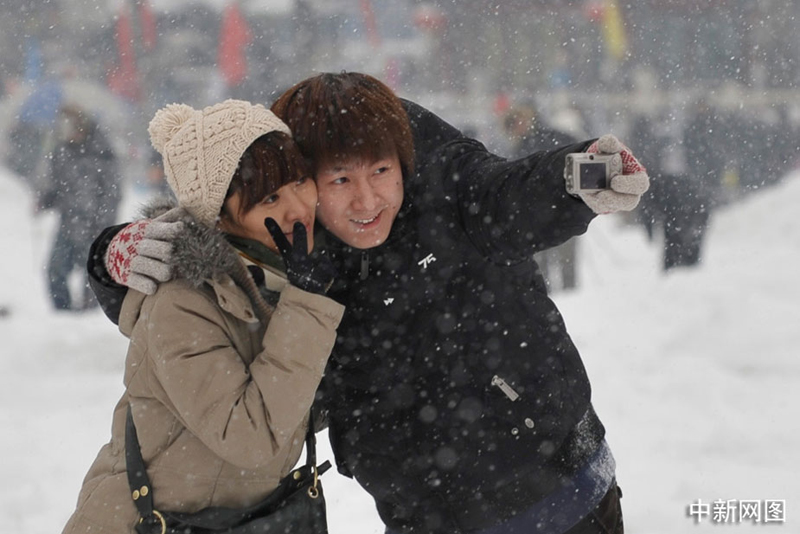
[
  {"x": 417, "y": 410},
  {"x": 84, "y": 186},
  {"x": 454, "y": 390}
]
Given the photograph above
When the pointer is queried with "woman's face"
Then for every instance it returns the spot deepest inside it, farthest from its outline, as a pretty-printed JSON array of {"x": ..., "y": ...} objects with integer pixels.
[{"x": 295, "y": 201}]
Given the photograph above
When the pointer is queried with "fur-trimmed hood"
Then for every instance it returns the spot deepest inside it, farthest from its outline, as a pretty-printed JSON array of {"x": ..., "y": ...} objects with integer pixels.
[{"x": 201, "y": 254}]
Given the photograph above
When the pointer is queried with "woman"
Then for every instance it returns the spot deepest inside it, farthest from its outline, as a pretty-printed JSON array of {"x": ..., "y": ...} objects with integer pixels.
[{"x": 219, "y": 382}]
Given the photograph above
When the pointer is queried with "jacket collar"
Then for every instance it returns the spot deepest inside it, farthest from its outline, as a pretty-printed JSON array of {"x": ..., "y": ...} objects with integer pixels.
[
  {"x": 400, "y": 228},
  {"x": 202, "y": 255}
]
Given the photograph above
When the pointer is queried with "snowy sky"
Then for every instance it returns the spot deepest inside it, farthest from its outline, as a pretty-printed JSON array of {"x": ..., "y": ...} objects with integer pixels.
[
  {"x": 263, "y": 6},
  {"x": 694, "y": 374}
]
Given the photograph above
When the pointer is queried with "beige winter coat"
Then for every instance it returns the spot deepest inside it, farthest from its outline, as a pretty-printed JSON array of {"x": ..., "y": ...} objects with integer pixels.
[{"x": 221, "y": 417}]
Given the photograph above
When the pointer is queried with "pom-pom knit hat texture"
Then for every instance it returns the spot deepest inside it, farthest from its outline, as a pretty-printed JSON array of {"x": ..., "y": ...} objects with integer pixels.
[{"x": 201, "y": 149}]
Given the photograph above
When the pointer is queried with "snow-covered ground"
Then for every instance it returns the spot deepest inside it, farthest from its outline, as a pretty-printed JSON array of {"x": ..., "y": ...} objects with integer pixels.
[{"x": 695, "y": 374}]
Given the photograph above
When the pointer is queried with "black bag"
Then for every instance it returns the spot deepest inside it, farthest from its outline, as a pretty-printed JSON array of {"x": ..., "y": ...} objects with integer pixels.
[{"x": 296, "y": 506}]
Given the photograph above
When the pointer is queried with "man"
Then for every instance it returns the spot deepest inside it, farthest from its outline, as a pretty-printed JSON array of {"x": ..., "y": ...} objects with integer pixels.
[{"x": 455, "y": 396}]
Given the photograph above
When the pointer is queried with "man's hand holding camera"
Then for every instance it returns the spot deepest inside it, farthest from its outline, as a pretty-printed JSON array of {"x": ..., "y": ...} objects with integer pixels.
[{"x": 607, "y": 177}]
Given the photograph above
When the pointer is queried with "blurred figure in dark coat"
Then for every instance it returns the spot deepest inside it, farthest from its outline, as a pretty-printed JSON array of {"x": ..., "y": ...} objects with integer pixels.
[
  {"x": 528, "y": 133},
  {"x": 84, "y": 188},
  {"x": 686, "y": 169}
]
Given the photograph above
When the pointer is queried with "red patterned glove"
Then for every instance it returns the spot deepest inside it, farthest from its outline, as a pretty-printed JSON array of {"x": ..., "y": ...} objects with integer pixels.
[
  {"x": 626, "y": 188},
  {"x": 138, "y": 256}
]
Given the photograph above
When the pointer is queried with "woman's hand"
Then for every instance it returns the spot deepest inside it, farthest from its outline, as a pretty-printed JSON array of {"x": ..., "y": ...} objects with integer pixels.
[{"x": 308, "y": 271}]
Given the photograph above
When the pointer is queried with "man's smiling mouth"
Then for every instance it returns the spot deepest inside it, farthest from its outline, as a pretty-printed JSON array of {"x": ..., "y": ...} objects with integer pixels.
[{"x": 367, "y": 221}]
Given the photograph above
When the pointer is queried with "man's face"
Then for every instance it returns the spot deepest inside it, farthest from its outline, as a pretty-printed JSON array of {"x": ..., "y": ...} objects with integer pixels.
[{"x": 359, "y": 201}]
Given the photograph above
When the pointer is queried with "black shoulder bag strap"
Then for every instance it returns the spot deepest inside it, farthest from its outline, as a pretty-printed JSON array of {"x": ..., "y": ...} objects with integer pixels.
[{"x": 139, "y": 482}]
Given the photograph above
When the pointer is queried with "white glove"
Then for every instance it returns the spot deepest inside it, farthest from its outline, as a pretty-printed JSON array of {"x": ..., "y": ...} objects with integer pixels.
[
  {"x": 138, "y": 256},
  {"x": 626, "y": 188}
]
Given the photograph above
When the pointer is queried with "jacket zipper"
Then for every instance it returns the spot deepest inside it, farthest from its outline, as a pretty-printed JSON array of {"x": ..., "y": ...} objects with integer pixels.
[
  {"x": 364, "y": 265},
  {"x": 505, "y": 388}
]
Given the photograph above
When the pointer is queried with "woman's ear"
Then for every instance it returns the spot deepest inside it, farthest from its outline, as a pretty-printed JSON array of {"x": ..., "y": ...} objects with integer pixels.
[{"x": 225, "y": 221}]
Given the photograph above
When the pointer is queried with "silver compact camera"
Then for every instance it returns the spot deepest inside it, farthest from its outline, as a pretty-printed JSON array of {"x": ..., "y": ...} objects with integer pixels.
[{"x": 589, "y": 173}]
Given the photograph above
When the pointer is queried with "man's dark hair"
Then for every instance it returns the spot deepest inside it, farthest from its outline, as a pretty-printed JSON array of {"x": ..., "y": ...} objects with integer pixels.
[{"x": 338, "y": 117}]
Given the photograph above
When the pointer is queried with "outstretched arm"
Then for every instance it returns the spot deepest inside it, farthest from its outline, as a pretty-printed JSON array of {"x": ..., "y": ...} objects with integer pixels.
[{"x": 513, "y": 208}]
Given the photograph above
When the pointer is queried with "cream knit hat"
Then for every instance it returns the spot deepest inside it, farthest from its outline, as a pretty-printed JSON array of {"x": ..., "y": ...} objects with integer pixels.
[{"x": 202, "y": 149}]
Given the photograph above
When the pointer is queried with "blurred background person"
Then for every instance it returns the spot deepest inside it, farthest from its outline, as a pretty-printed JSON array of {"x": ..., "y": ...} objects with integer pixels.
[
  {"x": 685, "y": 165},
  {"x": 705, "y": 160},
  {"x": 156, "y": 179},
  {"x": 83, "y": 186},
  {"x": 528, "y": 132}
]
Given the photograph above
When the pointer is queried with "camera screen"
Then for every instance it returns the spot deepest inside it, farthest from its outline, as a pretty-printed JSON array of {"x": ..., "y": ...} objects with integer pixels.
[{"x": 593, "y": 176}]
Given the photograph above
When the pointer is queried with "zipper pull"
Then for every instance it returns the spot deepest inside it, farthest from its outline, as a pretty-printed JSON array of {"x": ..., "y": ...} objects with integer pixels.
[
  {"x": 505, "y": 388},
  {"x": 364, "y": 265}
]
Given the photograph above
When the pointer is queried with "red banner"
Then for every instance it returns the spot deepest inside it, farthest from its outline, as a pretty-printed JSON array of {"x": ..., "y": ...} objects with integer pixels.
[{"x": 234, "y": 37}]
